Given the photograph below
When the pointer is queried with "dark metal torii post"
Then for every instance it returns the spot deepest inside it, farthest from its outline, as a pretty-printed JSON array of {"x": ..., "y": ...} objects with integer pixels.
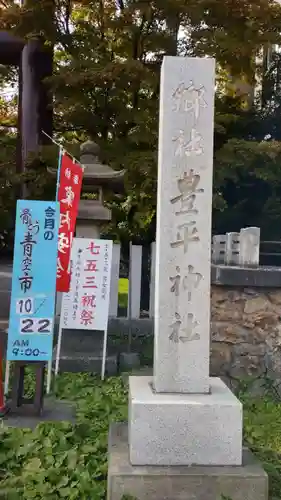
[{"x": 35, "y": 102}]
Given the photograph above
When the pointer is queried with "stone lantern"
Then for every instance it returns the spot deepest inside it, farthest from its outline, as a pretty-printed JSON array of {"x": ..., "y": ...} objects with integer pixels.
[{"x": 97, "y": 176}]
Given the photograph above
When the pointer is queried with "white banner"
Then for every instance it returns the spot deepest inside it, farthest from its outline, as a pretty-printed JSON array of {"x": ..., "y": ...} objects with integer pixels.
[{"x": 86, "y": 305}]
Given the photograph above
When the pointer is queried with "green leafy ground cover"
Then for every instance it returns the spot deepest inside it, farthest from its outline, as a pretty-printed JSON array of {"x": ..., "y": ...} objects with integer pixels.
[{"x": 61, "y": 460}]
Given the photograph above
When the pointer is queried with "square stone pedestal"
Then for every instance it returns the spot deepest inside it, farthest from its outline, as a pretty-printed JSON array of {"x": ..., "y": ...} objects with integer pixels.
[
  {"x": 247, "y": 482},
  {"x": 184, "y": 429}
]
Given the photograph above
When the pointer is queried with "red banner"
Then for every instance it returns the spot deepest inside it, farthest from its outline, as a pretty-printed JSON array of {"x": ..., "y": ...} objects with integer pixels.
[{"x": 68, "y": 195}]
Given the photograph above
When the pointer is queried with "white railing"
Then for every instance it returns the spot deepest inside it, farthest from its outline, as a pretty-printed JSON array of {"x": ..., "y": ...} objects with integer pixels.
[{"x": 232, "y": 249}]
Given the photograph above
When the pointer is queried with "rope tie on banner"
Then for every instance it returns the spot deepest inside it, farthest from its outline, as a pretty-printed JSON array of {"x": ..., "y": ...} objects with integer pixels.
[{"x": 63, "y": 150}]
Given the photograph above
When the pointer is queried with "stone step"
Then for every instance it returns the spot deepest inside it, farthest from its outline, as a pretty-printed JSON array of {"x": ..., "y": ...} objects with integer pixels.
[{"x": 144, "y": 371}]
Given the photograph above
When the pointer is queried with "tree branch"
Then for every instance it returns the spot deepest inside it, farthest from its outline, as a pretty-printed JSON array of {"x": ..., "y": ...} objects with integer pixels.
[
  {"x": 8, "y": 125},
  {"x": 68, "y": 10}
]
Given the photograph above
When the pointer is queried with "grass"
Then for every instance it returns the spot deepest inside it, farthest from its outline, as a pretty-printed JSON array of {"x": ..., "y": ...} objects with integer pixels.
[
  {"x": 61, "y": 460},
  {"x": 262, "y": 434},
  {"x": 123, "y": 290}
]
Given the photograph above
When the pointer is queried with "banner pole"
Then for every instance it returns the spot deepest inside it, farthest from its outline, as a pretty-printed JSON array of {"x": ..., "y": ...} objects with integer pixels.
[
  {"x": 50, "y": 363},
  {"x": 49, "y": 376},
  {"x": 104, "y": 354},
  {"x": 58, "y": 174},
  {"x": 67, "y": 152},
  {"x": 58, "y": 349}
]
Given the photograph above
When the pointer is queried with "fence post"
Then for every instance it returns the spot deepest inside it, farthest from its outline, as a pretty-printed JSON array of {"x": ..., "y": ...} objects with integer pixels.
[
  {"x": 249, "y": 247},
  {"x": 218, "y": 249},
  {"x": 232, "y": 249},
  {"x": 135, "y": 278},
  {"x": 114, "y": 281},
  {"x": 152, "y": 280}
]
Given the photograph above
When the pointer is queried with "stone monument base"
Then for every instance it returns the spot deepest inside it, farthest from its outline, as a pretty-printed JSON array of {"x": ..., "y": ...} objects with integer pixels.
[
  {"x": 184, "y": 429},
  {"x": 247, "y": 482}
]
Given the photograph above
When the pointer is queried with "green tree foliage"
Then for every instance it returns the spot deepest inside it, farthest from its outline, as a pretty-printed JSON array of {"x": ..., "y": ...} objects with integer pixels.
[
  {"x": 106, "y": 81},
  {"x": 247, "y": 177},
  {"x": 9, "y": 182},
  {"x": 8, "y": 187}
]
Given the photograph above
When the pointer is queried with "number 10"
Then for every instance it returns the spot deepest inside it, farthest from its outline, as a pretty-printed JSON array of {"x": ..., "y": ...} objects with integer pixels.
[{"x": 24, "y": 306}]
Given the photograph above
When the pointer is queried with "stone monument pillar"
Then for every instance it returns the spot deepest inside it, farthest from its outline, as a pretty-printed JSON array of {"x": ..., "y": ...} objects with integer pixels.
[
  {"x": 181, "y": 421},
  {"x": 92, "y": 212}
]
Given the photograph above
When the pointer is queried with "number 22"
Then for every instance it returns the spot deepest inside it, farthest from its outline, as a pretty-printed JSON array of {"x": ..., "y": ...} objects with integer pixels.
[{"x": 29, "y": 325}]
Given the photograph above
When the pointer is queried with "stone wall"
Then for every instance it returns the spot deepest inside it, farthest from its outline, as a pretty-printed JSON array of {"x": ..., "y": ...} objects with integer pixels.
[
  {"x": 246, "y": 332},
  {"x": 246, "y": 323}
]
